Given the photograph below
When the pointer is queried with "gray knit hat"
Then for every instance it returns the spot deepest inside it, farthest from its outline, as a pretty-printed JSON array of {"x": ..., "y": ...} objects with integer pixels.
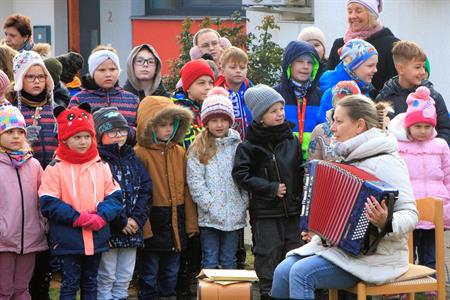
[
  {"x": 106, "y": 119},
  {"x": 260, "y": 98}
]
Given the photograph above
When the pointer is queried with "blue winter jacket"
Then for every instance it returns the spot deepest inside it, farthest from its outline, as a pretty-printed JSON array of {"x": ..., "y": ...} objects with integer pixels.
[
  {"x": 294, "y": 50},
  {"x": 136, "y": 187}
]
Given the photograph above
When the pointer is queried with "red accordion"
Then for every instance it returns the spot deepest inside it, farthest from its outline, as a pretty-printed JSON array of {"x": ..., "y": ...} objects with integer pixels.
[{"x": 333, "y": 205}]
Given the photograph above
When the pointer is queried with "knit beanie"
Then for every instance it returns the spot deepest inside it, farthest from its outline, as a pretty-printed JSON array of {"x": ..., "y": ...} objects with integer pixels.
[
  {"x": 73, "y": 120},
  {"x": 22, "y": 62},
  {"x": 54, "y": 67},
  {"x": 355, "y": 52},
  {"x": 99, "y": 57},
  {"x": 4, "y": 82},
  {"x": 193, "y": 70},
  {"x": 374, "y": 6},
  {"x": 10, "y": 117},
  {"x": 260, "y": 98},
  {"x": 312, "y": 33},
  {"x": 71, "y": 62},
  {"x": 344, "y": 88},
  {"x": 106, "y": 119},
  {"x": 217, "y": 104},
  {"x": 420, "y": 108}
]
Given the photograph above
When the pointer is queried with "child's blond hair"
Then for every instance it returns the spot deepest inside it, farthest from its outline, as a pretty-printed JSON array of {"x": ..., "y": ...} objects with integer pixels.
[
  {"x": 233, "y": 55},
  {"x": 204, "y": 146},
  {"x": 43, "y": 49},
  {"x": 407, "y": 51}
]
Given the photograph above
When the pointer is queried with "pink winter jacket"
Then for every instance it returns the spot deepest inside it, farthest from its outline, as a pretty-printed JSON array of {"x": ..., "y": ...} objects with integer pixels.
[
  {"x": 21, "y": 223},
  {"x": 429, "y": 168}
]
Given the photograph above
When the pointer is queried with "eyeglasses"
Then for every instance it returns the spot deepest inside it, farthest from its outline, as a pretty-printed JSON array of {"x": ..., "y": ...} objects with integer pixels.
[
  {"x": 117, "y": 133},
  {"x": 213, "y": 44},
  {"x": 32, "y": 78},
  {"x": 143, "y": 61}
]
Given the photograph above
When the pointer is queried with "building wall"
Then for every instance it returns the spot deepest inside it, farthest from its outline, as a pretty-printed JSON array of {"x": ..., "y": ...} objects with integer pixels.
[
  {"x": 115, "y": 29},
  {"x": 423, "y": 21}
]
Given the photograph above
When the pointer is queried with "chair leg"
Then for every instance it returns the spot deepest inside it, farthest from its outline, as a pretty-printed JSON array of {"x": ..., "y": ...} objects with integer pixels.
[
  {"x": 332, "y": 294},
  {"x": 361, "y": 289}
]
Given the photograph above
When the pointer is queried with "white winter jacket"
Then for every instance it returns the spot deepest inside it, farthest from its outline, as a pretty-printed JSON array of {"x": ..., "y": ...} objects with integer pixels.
[{"x": 391, "y": 257}]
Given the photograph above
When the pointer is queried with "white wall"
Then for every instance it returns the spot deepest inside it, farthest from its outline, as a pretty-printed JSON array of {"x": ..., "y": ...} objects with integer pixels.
[
  {"x": 426, "y": 22},
  {"x": 115, "y": 29}
]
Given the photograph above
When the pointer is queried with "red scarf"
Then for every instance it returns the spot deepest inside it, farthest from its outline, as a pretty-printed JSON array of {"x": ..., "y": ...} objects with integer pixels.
[
  {"x": 74, "y": 157},
  {"x": 363, "y": 34}
]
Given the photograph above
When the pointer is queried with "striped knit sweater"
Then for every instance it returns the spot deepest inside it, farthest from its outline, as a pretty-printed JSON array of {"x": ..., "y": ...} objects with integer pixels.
[{"x": 126, "y": 102}]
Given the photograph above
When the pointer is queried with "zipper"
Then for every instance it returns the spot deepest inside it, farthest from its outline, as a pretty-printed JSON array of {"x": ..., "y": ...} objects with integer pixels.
[
  {"x": 274, "y": 159},
  {"x": 23, "y": 213},
  {"x": 124, "y": 184}
]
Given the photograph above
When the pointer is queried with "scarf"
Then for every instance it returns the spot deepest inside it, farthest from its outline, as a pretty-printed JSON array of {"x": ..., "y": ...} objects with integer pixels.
[
  {"x": 34, "y": 101},
  {"x": 74, "y": 157},
  {"x": 18, "y": 157},
  {"x": 258, "y": 134},
  {"x": 28, "y": 45},
  {"x": 301, "y": 89},
  {"x": 363, "y": 34},
  {"x": 365, "y": 87}
]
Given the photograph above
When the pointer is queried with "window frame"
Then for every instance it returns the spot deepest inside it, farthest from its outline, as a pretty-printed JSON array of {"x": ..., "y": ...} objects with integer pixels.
[{"x": 182, "y": 10}]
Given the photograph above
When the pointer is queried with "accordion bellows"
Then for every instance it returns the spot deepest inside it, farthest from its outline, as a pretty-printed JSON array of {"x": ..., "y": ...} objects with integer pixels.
[{"x": 333, "y": 204}]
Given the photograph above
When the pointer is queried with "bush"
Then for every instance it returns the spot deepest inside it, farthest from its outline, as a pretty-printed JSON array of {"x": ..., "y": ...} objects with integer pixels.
[{"x": 264, "y": 55}]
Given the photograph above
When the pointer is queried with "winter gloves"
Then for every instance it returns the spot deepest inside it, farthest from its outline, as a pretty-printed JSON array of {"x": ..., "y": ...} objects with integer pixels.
[{"x": 90, "y": 221}]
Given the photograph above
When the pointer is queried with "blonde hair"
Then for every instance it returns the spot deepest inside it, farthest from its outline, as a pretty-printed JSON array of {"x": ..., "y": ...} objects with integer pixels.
[
  {"x": 204, "y": 147},
  {"x": 406, "y": 51},
  {"x": 233, "y": 55},
  {"x": 202, "y": 31},
  {"x": 43, "y": 49},
  {"x": 104, "y": 47},
  {"x": 362, "y": 107},
  {"x": 6, "y": 60}
]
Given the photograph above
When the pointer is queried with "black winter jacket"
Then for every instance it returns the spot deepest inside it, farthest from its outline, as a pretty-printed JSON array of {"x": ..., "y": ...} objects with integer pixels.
[
  {"x": 383, "y": 41},
  {"x": 259, "y": 167},
  {"x": 136, "y": 187},
  {"x": 396, "y": 95}
]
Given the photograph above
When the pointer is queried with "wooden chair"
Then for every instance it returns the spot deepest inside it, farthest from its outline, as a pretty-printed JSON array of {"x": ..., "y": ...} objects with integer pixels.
[{"x": 418, "y": 278}]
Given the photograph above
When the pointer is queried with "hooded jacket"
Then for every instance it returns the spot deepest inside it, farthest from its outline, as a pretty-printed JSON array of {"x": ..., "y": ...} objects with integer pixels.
[
  {"x": 21, "y": 223},
  {"x": 394, "y": 93},
  {"x": 156, "y": 88},
  {"x": 428, "y": 164},
  {"x": 390, "y": 259},
  {"x": 67, "y": 190},
  {"x": 136, "y": 187},
  {"x": 173, "y": 214},
  {"x": 383, "y": 41},
  {"x": 293, "y": 51},
  {"x": 221, "y": 204}
]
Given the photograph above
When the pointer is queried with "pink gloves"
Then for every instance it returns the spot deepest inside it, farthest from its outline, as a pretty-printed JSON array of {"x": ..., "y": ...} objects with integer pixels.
[{"x": 90, "y": 221}]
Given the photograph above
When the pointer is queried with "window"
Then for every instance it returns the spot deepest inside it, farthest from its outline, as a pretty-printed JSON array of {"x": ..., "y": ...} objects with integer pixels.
[{"x": 192, "y": 7}]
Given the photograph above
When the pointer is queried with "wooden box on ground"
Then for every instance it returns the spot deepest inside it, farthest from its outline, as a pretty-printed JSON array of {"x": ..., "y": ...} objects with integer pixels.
[{"x": 225, "y": 284}]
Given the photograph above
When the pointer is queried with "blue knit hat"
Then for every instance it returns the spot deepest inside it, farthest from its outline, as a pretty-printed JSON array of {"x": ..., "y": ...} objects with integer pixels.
[{"x": 355, "y": 52}]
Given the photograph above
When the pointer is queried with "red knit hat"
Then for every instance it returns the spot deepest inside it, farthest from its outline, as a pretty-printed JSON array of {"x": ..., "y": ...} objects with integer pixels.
[
  {"x": 420, "y": 108},
  {"x": 193, "y": 70},
  {"x": 74, "y": 120}
]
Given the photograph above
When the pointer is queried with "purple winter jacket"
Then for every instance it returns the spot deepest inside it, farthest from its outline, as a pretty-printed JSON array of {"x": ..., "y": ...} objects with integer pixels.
[{"x": 22, "y": 227}]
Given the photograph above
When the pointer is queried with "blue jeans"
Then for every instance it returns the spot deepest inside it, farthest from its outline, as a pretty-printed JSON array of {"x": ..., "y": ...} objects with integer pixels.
[
  {"x": 219, "y": 247},
  {"x": 425, "y": 247},
  {"x": 297, "y": 277},
  {"x": 79, "y": 271},
  {"x": 158, "y": 274}
]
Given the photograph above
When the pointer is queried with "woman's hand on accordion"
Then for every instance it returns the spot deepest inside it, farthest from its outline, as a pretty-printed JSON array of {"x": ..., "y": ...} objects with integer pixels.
[
  {"x": 306, "y": 236},
  {"x": 376, "y": 212}
]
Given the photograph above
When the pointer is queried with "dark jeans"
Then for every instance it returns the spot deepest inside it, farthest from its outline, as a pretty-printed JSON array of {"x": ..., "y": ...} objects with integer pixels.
[
  {"x": 42, "y": 275},
  {"x": 158, "y": 274},
  {"x": 218, "y": 248},
  {"x": 425, "y": 247},
  {"x": 79, "y": 272},
  {"x": 190, "y": 266},
  {"x": 272, "y": 239}
]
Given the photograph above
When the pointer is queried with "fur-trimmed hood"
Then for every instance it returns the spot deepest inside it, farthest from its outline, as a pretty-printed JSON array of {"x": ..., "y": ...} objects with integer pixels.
[{"x": 152, "y": 110}]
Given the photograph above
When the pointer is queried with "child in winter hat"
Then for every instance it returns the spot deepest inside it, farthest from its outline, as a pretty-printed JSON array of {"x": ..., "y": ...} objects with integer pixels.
[
  {"x": 23, "y": 61},
  {"x": 420, "y": 108},
  {"x": 344, "y": 88},
  {"x": 217, "y": 104},
  {"x": 260, "y": 98},
  {"x": 10, "y": 117},
  {"x": 311, "y": 35},
  {"x": 354, "y": 53},
  {"x": 193, "y": 70},
  {"x": 107, "y": 119}
]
